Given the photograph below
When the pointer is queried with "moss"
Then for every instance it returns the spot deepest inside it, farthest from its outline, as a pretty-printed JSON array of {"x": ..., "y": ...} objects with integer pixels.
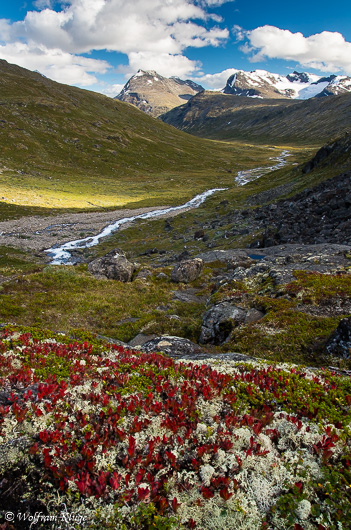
[
  {"x": 15, "y": 261},
  {"x": 86, "y": 306},
  {"x": 286, "y": 333},
  {"x": 316, "y": 288}
]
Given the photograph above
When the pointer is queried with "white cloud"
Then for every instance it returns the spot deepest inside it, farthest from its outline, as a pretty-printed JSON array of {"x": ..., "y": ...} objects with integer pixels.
[
  {"x": 212, "y": 3},
  {"x": 54, "y": 63},
  {"x": 162, "y": 29},
  {"x": 326, "y": 51},
  {"x": 41, "y": 4},
  {"x": 215, "y": 81},
  {"x": 163, "y": 63},
  {"x": 119, "y": 25},
  {"x": 109, "y": 90}
]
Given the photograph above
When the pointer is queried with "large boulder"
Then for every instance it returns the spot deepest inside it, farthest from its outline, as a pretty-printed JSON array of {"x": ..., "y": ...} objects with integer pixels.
[
  {"x": 113, "y": 266},
  {"x": 172, "y": 346},
  {"x": 339, "y": 344},
  {"x": 219, "y": 321},
  {"x": 187, "y": 270}
]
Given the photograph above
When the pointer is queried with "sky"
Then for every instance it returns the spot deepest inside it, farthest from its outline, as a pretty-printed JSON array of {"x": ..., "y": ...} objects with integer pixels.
[{"x": 99, "y": 44}]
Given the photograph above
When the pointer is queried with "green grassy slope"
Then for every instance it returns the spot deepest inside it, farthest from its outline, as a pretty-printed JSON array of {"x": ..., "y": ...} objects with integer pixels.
[
  {"x": 64, "y": 147},
  {"x": 226, "y": 117}
]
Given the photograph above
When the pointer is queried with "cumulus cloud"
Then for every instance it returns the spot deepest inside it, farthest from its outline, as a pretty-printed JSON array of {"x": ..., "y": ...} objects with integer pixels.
[
  {"x": 120, "y": 25},
  {"x": 163, "y": 63},
  {"x": 215, "y": 81},
  {"x": 326, "y": 51},
  {"x": 109, "y": 90},
  {"x": 163, "y": 30},
  {"x": 54, "y": 63}
]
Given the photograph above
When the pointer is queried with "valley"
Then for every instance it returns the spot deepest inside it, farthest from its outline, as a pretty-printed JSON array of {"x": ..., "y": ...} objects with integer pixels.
[
  {"x": 175, "y": 309},
  {"x": 283, "y": 121}
]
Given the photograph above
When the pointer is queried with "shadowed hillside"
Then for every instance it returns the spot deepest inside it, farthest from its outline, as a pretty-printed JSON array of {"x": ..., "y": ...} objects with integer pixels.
[{"x": 227, "y": 117}]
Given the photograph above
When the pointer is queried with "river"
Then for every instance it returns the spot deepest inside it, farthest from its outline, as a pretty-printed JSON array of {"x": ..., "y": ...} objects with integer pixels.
[{"x": 61, "y": 254}]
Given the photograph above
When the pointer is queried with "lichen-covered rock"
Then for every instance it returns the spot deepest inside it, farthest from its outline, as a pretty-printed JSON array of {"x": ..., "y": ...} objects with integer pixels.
[
  {"x": 143, "y": 274},
  {"x": 253, "y": 315},
  {"x": 172, "y": 346},
  {"x": 140, "y": 339},
  {"x": 339, "y": 343},
  {"x": 187, "y": 270},
  {"x": 219, "y": 321},
  {"x": 113, "y": 266}
]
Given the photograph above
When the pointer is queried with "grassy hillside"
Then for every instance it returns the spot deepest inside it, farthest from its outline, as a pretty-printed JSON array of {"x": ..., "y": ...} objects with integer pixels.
[
  {"x": 227, "y": 117},
  {"x": 64, "y": 147}
]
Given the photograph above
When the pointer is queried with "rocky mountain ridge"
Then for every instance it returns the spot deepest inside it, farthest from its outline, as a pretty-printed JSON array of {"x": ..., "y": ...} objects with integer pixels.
[
  {"x": 278, "y": 120},
  {"x": 155, "y": 94},
  {"x": 298, "y": 85}
]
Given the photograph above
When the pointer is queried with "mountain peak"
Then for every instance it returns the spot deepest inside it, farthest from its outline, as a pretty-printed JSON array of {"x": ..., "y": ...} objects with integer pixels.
[
  {"x": 141, "y": 73},
  {"x": 298, "y": 85},
  {"x": 155, "y": 94}
]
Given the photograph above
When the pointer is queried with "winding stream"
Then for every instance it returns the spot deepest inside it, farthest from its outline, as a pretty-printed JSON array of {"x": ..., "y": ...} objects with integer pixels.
[
  {"x": 243, "y": 177},
  {"x": 61, "y": 255}
]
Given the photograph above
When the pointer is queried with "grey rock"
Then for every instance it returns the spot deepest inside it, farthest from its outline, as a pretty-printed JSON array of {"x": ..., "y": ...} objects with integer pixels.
[
  {"x": 253, "y": 315},
  {"x": 244, "y": 262},
  {"x": 143, "y": 274},
  {"x": 172, "y": 346},
  {"x": 189, "y": 296},
  {"x": 219, "y": 321},
  {"x": 231, "y": 256},
  {"x": 235, "y": 357},
  {"x": 339, "y": 344},
  {"x": 187, "y": 270},
  {"x": 140, "y": 339},
  {"x": 113, "y": 266}
]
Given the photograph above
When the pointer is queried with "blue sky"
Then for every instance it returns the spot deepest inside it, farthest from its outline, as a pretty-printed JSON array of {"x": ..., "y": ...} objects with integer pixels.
[{"x": 99, "y": 44}]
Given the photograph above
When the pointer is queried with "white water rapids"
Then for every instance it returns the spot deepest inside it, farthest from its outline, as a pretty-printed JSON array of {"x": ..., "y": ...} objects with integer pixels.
[
  {"x": 243, "y": 177},
  {"x": 61, "y": 255}
]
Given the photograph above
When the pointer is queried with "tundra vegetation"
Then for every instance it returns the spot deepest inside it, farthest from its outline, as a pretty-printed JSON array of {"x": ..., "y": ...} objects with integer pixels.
[{"x": 133, "y": 440}]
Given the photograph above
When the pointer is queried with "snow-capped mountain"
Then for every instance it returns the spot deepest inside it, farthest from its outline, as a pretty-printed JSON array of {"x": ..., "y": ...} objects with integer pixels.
[
  {"x": 155, "y": 94},
  {"x": 298, "y": 85}
]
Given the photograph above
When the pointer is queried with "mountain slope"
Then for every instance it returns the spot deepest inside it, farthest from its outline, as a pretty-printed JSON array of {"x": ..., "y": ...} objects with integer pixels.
[
  {"x": 228, "y": 117},
  {"x": 62, "y": 146},
  {"x": 154, "y": 94},
  {"x": 298, "y": 85}
]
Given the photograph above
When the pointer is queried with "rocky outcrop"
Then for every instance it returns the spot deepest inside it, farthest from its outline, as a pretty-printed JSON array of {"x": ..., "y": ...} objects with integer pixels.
[
  {"x": 219, "y": 321},
  {"x": 187, "y": 270},
  {"x": 277, "y": 264},
  {"x": 172, "y": 346},
  {"x": 339, "y": 344},
  {"x": 317, "y": 215},
  {"x": 113, "y": 266},
  {"x": 143, "y": 274},
  {"x": 140, "y": 339},
  {"x": 330, "y": 153}
]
